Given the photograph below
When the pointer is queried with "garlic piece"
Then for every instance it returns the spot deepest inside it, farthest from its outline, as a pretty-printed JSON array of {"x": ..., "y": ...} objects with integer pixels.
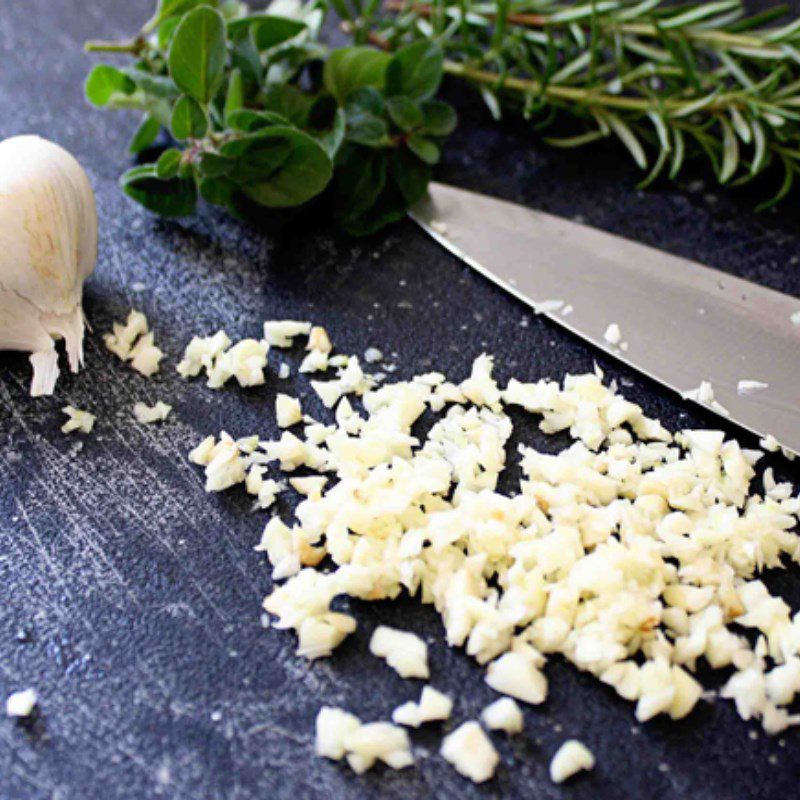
[
  {"x": 340, "y": 734},
  {"x": 20, "y": 705},
  {"x": 613, "y": 334},
  {"x": 48, "y": 247},
  {"x": 134, "y": 342},
  {"x": 503, "y": 715},
  {"x": 279, "y": 333},
  {"x": 287, "y": 411},
  {"x": 572, "y": 757},
  {"x": 333, "y": 726},
  {"x": 78, "y": 420},
  {"x": 517, "y": 675},
  {"x": 433, "y": 705},
  {"x": 471, "y": 752},
  {"x": 404, "y": 652},
  {"x": 146, "y": 415}
]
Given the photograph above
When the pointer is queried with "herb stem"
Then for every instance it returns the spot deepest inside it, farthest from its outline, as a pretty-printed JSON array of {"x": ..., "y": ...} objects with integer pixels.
[
  {"x": 132, "y": 46},
  {"x": 588, "y": 97}
]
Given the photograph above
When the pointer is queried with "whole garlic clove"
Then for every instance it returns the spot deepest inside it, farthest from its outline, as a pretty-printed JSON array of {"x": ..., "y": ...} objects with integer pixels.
[{"x": 48, "y": 247}]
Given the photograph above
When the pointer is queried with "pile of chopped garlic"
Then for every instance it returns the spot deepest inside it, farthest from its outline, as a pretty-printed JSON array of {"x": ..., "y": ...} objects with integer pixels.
[
  {"x": 634, "y": 553},
  {"x": 135, "y": 343}
]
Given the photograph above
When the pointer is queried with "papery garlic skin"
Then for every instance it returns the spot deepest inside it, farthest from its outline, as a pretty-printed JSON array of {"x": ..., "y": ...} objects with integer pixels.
[{"x": 48, "y": 247}]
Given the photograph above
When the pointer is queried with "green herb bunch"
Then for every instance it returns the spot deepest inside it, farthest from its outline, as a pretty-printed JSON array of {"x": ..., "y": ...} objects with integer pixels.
[
  {"x": 671, "y": 81},
  {"x": 265, "y": 117}
]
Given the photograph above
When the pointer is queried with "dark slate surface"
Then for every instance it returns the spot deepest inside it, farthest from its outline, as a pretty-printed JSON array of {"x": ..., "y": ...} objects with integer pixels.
[{"x": 130, "y": 599}]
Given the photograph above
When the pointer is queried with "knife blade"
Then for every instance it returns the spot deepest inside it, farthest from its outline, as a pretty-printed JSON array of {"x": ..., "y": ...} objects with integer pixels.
[{"x": 680, "y": 322}]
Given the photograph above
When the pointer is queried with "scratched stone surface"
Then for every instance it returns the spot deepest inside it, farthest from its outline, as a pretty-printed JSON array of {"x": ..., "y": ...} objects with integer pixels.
[{"x": 130, "y": 599}]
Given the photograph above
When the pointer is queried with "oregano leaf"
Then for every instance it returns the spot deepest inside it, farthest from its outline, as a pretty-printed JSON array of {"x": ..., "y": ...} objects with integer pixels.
[
  {"x": 352, "y": 68},
  {"x": 415, "y": 70},
  {"x": 189, "y": 120},
  {"x": 105, "y": 81},
  {"x": 169, "y": 198},
  {"x": 198, "y": 53}
]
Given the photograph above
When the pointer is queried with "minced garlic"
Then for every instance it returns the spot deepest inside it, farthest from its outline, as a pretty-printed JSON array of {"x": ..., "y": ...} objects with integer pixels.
[
  {"x": 21, "y": 705},
  {"x": 433, "y": 705},
  {"x": 404, "y": 652},
  {"x": 78, "y": 420},
  {"x": 704, "y": 394},
  {"x": 613, "y": 335},
  {"x": 471, "y": 752},
  {"x": 134, "y": 342},
  {"x": 214, "y": 355},
  {"x": 630, "y": 553},
  {"x": 572, "y": 757},
  {"x": 503, "y": 715},
  {"x": 287, "y": 411},
  {"x": 146, "y": 415},
  {"x": 342, "y": 735},
  {"x": 279, "y": 333}
]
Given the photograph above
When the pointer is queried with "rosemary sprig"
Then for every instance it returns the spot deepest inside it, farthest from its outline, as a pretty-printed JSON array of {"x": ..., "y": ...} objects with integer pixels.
[{"x": 671, "y": 82}]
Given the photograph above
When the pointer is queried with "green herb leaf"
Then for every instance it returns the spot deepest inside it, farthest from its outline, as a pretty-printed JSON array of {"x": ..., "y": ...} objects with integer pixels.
[
  {"x": 365, "y": 124},
  {"x": 169, "y": 198},
  {"x": 352, "y": 68},
  {"x": 234, "y": 99},
  {"x": 331, "y": 138},
  {"x": 168, "y": 8},
  {"x": 189, "y": 120},
  {"x": 289, "y": 102},
  {"x": 304, "y": 174},
  {"x": 365, "y": 128},
  {"x": 212, "y": 165},
  {"x": 405, "y": 113},
  {"x": 367, "y": 99},
  {"x": 269, "y": 31},
  {"x": 730, "y": 152},
  {"x": 219, "y": 191},
  {"x": 360, "y": 178},
  {"x": 264, "y": 156},
  {"x": 105, "y": 81},
  {"x": 438, "y": 118},
  {"x": 166, "y": 30},
  {"x": 245, "y": 57},
  {"x": 388, "y": 208},
  {"x": 198, "y": 53},
  {"x": 145, "y": 135},
  {"x": 168, "y": 163},
  {"x": 405, "y": 183},
  {"x": 160, "y": 86},
  {"x": 423, "y": 148},
  {"x": 265, "y": 30},
  {"x": 415, "y": 71},
  {"x": 248, "y": 121},
  {"x": 411, "y": 175}
]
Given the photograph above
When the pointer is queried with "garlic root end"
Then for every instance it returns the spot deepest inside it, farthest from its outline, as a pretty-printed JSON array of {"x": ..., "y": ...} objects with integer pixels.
[{"x": 45, "y": 372}]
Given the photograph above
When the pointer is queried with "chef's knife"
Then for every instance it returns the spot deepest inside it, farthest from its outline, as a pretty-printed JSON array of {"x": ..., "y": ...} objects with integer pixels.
[{"x": 679, "y": 322}]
